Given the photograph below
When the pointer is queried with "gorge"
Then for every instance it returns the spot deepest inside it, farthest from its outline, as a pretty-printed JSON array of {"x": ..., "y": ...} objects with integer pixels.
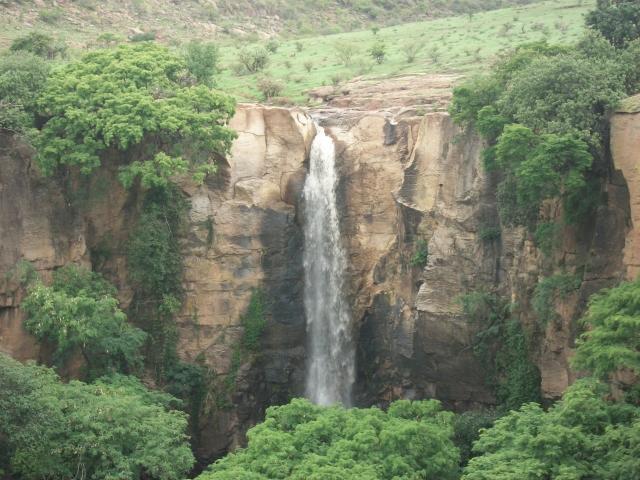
[{"x": 401, "y": 177}]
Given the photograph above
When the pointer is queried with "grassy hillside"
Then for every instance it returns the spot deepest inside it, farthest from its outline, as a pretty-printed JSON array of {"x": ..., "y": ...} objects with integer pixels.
[
  {"x": 82, "y": 20},
  {"x": 462, "y": 44}
]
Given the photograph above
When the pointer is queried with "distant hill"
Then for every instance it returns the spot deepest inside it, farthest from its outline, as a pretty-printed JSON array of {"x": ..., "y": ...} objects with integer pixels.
[{"x": 80, "y": 21}]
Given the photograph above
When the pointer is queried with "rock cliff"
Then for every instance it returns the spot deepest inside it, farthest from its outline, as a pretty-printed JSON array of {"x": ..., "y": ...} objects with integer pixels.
[{"x": 405, "y": 177}]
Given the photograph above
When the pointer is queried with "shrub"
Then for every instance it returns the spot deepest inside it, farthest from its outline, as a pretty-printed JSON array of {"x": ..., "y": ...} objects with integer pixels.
[
  {"x": 421, "y": 254},
  {"x": 143, "y": 37},
  {"x": 39, "y": 44},
  {"x": 503, "y": 349},
  {"x": 109, "y": 39},
  {"x": 549, "y": 291},
  {"x": 411, "y": 51},
  {"x": 50, "y": 15},
  {"x": 254, "y": 321},
  {"x": 345, "y": 51},
  {"x": 270, "y": 87},
  {"x": 123, "y": 97},
  {"x": 272, "y": 45},
  {"x": 253, "y": 59},
  {"x": 489, "y": 233},
  {"x": 155, "y": 266},
  {"x": 79, "y": 313},
  {"x": 378, "y": 52},
  {"x": 202, "y": 61}
]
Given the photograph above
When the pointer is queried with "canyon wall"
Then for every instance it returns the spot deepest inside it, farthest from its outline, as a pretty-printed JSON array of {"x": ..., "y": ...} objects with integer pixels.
[{"x": 405, "y": 177}]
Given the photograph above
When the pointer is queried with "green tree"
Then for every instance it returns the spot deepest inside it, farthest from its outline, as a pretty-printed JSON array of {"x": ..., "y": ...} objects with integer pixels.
[
  {"x": 127, "y": 97},
  {"x": 302, "y": 441},
  {"x": 39, "y": 44},
  {"x": 202, "y": 61},
  {"x": 582, "y": 436},
  {"x": 617, "y": 20},
  {"x": 79, "y": 313},
  {"x": 378, "y": 51},
  {"x": 114, "y": 428},
  {"x": 612, "y": 339},
  {"x": 22, "y": 77}
]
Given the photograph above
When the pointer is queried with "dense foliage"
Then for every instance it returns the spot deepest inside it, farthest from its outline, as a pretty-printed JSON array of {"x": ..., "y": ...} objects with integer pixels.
[
  {"x": 502, "y": 347},
  {"x": 544, "y": 113},
  {"x": 588, "y": 434},
  {"x": 582, "y": 436},
  {"x": 112, "y": 429},
  {"x": 202, "y": 61},
  {"x": 155, "y": 270},
  {"x": 22, "y": 77},
  {"x": 617, "y": 20},
  {"x": 307, "y": 442},
  {"x": 39, "y": 44},
  {"x": 79, "y": 314},
  {"x": 612, "y": 340},
  {"x": 132, "y": 95}
]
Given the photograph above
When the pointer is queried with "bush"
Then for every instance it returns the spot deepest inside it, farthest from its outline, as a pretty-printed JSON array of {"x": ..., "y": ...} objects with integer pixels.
[
  {"x": 253, "y": 59},
  {"x": 50, "y": 15},
  {"x": 270, "y": 87},
  {"x": 502, "y": 347},
  {"x": 272, "y": 45},
  {"x": 304, "y": 441},
  {"x": 39, "y": 44},
  {"x": 22, "y": 78},
  {"x": 378, "y": 52},
  {"x": 143, "y": 37},
  {"x": 202, "y": 61},
  {"x": 547, "y": 293},
  {"x": 411, "y": 51},
  {"x": 109, "y": 39},
  {"x": 254, "y": 321},
  {"x": 421, "y": 254},
  {"x": 345, "y": 51}
]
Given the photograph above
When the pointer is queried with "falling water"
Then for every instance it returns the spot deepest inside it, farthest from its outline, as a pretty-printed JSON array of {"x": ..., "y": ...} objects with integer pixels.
[{"x": 331, "y": 355}]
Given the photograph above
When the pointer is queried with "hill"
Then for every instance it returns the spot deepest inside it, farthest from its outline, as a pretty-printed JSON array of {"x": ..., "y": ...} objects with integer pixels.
[{"x": 81, "y": 21}]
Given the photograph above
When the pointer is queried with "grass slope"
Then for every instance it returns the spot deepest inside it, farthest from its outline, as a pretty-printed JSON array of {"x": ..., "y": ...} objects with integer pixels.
[
  {"x": 82, "y": 20},
  {"x": 450, "y": 45}
]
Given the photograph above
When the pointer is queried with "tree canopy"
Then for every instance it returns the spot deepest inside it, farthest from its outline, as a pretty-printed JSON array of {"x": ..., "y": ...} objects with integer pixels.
[
  {"x": 79, "y": 313},
  {"x": 112, "y": 429},
  {"x": 304, "y": 441},
  {"x": 133, "y": 95}
]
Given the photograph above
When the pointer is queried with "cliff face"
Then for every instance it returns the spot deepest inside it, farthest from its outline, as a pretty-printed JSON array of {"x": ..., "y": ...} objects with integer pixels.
[{"x": 402, "y": 180}]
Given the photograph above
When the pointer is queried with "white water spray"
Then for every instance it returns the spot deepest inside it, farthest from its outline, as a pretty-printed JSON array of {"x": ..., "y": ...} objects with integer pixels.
[{"x": 331, "y": 363}]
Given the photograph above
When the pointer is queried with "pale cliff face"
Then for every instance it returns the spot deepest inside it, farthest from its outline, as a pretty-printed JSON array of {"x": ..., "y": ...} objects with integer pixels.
[{"x": 421, "y": 178}]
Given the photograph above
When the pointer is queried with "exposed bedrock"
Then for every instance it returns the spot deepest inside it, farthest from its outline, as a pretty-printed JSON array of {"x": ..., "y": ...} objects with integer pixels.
[{"x": 403, "y": 180}]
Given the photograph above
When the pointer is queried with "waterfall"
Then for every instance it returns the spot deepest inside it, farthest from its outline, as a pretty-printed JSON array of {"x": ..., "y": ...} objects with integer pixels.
[{"x": 331, "y": 364}]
